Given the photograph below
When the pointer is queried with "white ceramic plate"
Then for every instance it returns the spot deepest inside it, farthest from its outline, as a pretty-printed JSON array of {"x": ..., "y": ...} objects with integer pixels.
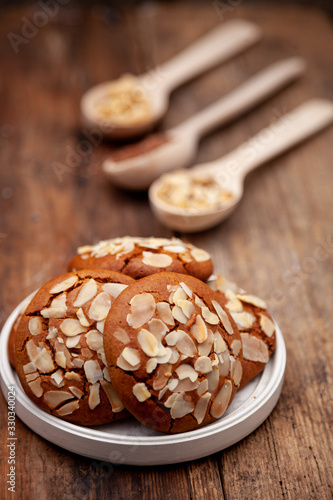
[{"x": 129, "y": 442}]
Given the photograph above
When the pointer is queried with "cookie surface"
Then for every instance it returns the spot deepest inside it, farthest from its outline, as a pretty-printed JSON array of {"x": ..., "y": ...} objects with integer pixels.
[
  {"x": 60, "y": 356},
  {"x": 174, "y": 354},
  {"x": 139, "y": 257},
  {"x": 255, "y": 324}
]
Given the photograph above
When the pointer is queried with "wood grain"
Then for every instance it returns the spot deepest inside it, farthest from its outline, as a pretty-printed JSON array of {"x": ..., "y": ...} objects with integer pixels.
[{"x": 278, "y": 244}]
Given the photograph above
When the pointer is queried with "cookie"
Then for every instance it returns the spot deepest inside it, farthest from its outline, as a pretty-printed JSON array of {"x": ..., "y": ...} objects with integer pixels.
[
  {"x": 139, "y": 257},
  {"x": 174, "y": 353},
  {"x": 11, "y": 339},
  {"x": 60, "y": 357},
  {"x": 255, "y": 324}
]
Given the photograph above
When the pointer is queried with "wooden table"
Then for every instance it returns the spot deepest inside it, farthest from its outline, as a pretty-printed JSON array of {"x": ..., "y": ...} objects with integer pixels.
[{"x": 278, "y": 244}]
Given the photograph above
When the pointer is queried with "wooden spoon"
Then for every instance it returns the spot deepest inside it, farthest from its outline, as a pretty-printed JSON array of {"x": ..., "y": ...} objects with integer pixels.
[
  {"x": 138, "y": 172},
  {"x": 217, "y": 46},
  {"x": 230, "y": 171}
]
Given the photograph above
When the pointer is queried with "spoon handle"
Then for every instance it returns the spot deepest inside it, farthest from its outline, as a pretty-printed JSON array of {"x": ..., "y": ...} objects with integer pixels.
[
  {"x": 289, "y": 130},
  {"x": 249, "y": 94},
  {"x": 219, "y": 45}
]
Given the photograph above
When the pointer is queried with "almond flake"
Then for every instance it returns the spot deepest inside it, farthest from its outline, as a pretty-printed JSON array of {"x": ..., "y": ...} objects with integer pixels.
[
  {"x": 142, "y": 310},
  {"x": 199, "y": 329},
  {"x": 64, "y": 285},
  {"x": 185, "y": 345},
  {"x": 181, "y": 407},
  {"x": 31, "y": 376},
  {"x": 254, "y": 349},
  {"x": 157, "y": 328},
  {"x": 219, "y": 343},
  {"x": 100, "y": 307},
  {"x": 29, "y": 367},
  {"x": 35, "y": 326},
  {"x": 236, "y": 370},
  {"x": 86, "y": 293},
  {"x": 82, "y": 318},
  {"x": 53, "y": 312},
  {"x": 72, "y": 327},
  {"x": 223, "y": 317},
  {"x": 178, "y": 314},
  {"x": 76, "y": 391},
  {"x": 94, "y": 398},
  {"x": 161, "y": 379},
  {"x": 58, "y": 378},
  {"x": 86, "y": 353},
  {"x": 72, "y": 342},
  {"x": 94, "y": 340},
  {"x": 151, "y": 365},
  {"x": 187, "y": 386},
  {"x": 179, "y": 294},
  {"x": 141, "y": 392},
  {"x": 53, "y": 332},
  {"x": 100, "y": 325},
  {"x": 73, "y": 376},
  {"x": 209, "y": 317},
  {"x": 171, "y": 399},
  {"x": 187, "y": 307},
  {"x": 68, "y": 408},
  {"x": 164, "y": 312},
  {"x": 55, "y": 398},
  {"x": 221, "y": 401},
  {"x": 236, "y": 346},
  {"x": 114, "y": 289},
  {"x": 186, "y": 371},
  {"x": 113, "y": 397},
  {"x": 213, "y": 378},
  {"x": 172, "y": 384},
  {"x": 205, "y": 348},
  {"x": 131, "y": 355},
  {"x": 200, "y": 255},
  {"x": 224, "y": 363},
  {"x": 78, "y": 363},
  {"x": 173, "y": 337},
  {"x": 93, "y": 371},
  {"x": 201, "y": 407},
  {"x": 156, "y": 259},
  {"x": 244, "y": 320},
  {"x": 199, "y": 302},
  {"x": 35, "y": 387},
  {"x": 148, "y": 343},
  {"x": 60, "y": 359},
  {"x": 124, "y": 365},
  {"x": 121, "y": 335},
  {"x": 174, "y": 357},
  {"x": 252, "y": 299},
  {"x": 41, "y": 357},
  {"x": 233, "y": 305},
  {"x": 203, "y": 364},
  {"x": 267, "y": 325},
  {"x": 186, "y": 289},
  {"x": 202, "y": 387}
]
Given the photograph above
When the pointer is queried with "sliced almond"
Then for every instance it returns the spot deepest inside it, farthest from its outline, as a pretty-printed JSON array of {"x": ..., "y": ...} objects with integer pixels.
[
  {"x": 156, "y": 259},
  {"x": 203, "y": 364},
  {"x": 148, "y": 343},
  {"x": 100, "y": 325},
  {"x": 82, "y": 318},
  {"x": 236, "y": 347},
  {"x": 55, "y": 398},
  {"x": 72, "y": 342},
  {"x": 254, "y": 349},
  {"x": 121, "y": 335},
  {"x": 72, "y": 327},
  {"x": 151, "y": 365},
  {"x": 199, "y": 329},
  {"x": 199, "y": 302},
  {"x": 86, "y": 293},
  {"x": 94, "y": 398},
  {"x": 93, "y": 371},
  {"x": 171, "y": 399},
  {"x": 223, "y": 317},
  {"x": 205, "y": 347},
  {"x": 173, "y": 384},
  {"x": 53, "y": 312},
  {"x": 201, "y": 407},
  {"x": 173, "y": 337},
  {"x": 58, "y": 378},
  {"x": 187, "y": 307},
  {"x": 94, "y": 340},
  {"x": 29, "y": 367},
  {"x": 116, "y": 405},
  {"x": 73, "y": 376},
  {"x": 202, "y": 387},
  {"x": 186, "y": 289},
  {"x": 244, "y": 320},
  {"x": 114, "y": 289},
  {"x": 209, "y": 317},
  {"x": 31, "y": 376},
  {"x": 200, "y": 255},
  {"x": 77, "y": 362},
  {"x": 76, "y": 391},
  {"x": 252, "y": 299},
  {"x": 106, "y": 374},
  {"x": 162, "y": 377},
  {"x": 35, "y": 326},
  {"x": 100, "y": 307},
  {"x": 236, "y": 370},
  {"x": 64, "y": 285},
  {"x": 141, "y": 392},
  {"x": 157, "y": 328},
  {"x": 213, "y": 378},
  {"x": 53, "y": 332},
  {"x": 86, "y": 353},
  {"x": 131, "y": 355},
  {"x": 187, "y": 385},
  {"x": 185, "y": 345},
  {"x": 142, "y": 310},
  {"x": 124, "y": 365},
  {"x": 219, "y": 343},
  {"x": 164, "y": 312},
  {"x": 60, "y": 359},
  {"x": 181, "y": 407},
  {"x": 186, "y": 371},
  {"x": 267, "y": 325},
  {"x": 224, "y": 363},
  {"x": 68, "y": 408},
  {"x": 41, "y": 357},
  {"x": 179, "y": 294},
  {"x": 174, "y": 357},
  {"x": 178, "y": 314},
  {"x": 36, "y": 388},
  {"x": 164, "y": 355},
  {"x": 221, "y": 401}
]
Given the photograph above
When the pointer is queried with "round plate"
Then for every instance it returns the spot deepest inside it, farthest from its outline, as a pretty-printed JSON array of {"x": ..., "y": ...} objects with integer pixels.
[{"x": 129, "y": 442}]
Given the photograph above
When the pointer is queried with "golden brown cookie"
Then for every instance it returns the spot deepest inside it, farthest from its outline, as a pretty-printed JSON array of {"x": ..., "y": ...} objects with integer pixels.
[
  {"x": 255, "y": 324},
  {"x": 174, "y": 353},
  {"x": 139, "y": 257},
  {"x": 60, "y": 357}
]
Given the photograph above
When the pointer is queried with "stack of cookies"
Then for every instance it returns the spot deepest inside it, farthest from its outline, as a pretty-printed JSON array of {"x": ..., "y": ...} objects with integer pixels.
[{"x": 135, "y": 328}]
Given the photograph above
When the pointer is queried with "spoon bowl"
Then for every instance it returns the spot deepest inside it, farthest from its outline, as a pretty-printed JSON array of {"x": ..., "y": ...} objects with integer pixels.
[{"x": 230, "y": 171}]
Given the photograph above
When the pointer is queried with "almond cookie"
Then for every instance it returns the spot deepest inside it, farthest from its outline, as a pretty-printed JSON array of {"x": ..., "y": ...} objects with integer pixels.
[
  {"x": 60, "y": 356},
  {"x": 11, "y": 340},
  {"x": 173, "y": 352},
  {"x": 139, "y": 257},
  {"x": 256, "y": 326}
]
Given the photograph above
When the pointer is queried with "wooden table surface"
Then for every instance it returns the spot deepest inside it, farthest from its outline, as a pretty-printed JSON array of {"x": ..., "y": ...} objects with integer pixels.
[{"x": 278, "y": 244}]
